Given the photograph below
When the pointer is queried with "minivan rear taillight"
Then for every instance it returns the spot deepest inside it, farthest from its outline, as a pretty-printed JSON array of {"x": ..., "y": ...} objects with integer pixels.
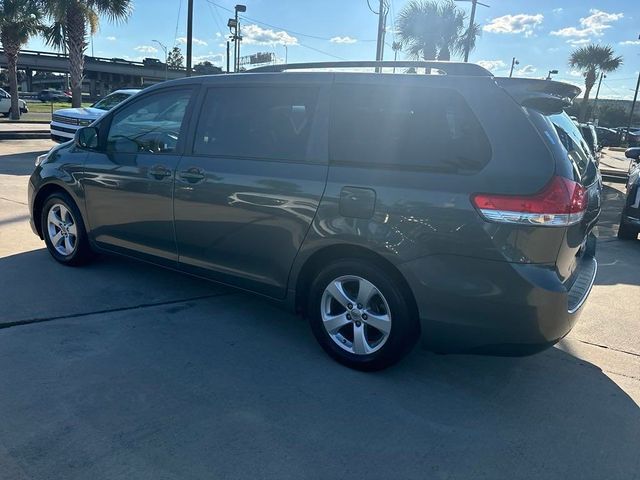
[{"x": 562, "y": 202}]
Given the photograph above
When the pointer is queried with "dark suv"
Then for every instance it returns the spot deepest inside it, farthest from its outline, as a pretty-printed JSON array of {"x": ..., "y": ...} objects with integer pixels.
[{"x": 456, "y": 207}]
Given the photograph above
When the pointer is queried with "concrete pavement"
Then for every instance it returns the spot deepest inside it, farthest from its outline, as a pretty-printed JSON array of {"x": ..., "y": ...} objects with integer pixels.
[{"x": 132, "y": 371}]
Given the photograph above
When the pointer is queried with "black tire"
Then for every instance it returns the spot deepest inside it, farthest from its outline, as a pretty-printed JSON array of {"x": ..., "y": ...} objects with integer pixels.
[
  {"x": 405, "y": 326},
  {"x": 627, "y": 232},
  {"x": 81, "y": 253}
]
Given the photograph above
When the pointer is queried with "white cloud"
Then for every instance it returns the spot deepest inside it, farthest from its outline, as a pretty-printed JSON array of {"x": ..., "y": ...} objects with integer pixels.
[
  {"x": 575, "y": 73},
  {"x": 492, "y": 64},
  {"x": 520, "y": 23},
  {"x": 218, "y": 34},
  {"x": 557, "y": 10},
  {"x": 196, "y": 41},
  {"x": 211, "y": 57},
  {"x": 343, "y": 40},
  {"x": 111, "y": 39},
  {"x": 578, "y": 41},
  {"x": 145, "y": 49},
  {"x": 527, "y": 70},
  {"x": 630, "y": 42},
  {"x": 255, "y": 35},
  {"x": 593, "y": 25}
]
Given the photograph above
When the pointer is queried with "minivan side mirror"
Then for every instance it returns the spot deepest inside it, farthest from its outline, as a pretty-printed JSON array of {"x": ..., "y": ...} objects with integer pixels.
[
  {"x": 633, "y": 152},
  {"x": 86, "y": 137}
]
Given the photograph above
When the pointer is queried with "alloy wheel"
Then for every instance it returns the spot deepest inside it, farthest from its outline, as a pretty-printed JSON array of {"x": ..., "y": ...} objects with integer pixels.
[
  {"x": 62, "y": 229},
  {"x": 355, "y": 314}
]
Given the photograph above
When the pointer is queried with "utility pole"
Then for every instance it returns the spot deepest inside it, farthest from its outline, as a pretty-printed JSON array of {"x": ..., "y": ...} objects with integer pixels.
[
  {"x": 633, "y": 106},
  {"x": 383, "y": 10},
  {"x": 514, "y": 62},
  {"x": 472, "y": 20},
  {"x": 189, "y": 36},
  {"x": 227, "y": 56}
]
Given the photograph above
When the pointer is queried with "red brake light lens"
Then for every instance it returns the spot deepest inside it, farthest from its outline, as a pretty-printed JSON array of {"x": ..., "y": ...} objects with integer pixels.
[{"x": 562, "y": 202}]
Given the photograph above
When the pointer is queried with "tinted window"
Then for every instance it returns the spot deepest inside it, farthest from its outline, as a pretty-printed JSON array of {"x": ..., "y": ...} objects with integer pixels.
[
  {"x": 409, "y": 126},
  {"x": 110, "y": 101},
  {"x": 572, "y": 140},
  {"x": 270, "y": 123},
  {"x": 151, "y": 125}
]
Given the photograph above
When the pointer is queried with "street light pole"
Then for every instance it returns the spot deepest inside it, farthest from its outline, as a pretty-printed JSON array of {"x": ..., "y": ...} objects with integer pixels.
[
  {"x": 514, "y": 62},
  {"x": 166, "y": 58},
  {"x": 189, "y": 36},
  {"x": 551, "y": 72}
]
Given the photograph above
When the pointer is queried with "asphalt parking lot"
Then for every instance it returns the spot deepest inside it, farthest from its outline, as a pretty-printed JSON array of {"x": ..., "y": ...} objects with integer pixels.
[{"x": 121, "y": 370}]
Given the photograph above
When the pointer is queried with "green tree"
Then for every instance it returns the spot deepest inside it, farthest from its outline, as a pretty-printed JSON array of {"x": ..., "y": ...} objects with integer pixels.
[
  {"x": 591, "y": 60},
  {"x": 70, "y": 21},
  {"x": 175, "y": 59},
  {"x": 206, "y": 68},
  {"x": 431, "y": 30},
  {"x": 19, "y": 20}
]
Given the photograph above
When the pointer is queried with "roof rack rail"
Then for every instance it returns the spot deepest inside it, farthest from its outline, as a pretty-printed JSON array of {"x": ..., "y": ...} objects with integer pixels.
[{"x": 450, "y": 68}]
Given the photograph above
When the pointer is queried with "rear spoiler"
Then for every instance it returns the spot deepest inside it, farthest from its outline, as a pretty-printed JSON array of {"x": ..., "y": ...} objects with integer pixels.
[{"x": 546, "y": 96}]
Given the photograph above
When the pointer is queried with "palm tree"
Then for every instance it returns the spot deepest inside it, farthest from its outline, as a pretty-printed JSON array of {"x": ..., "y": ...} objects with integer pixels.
[
  {"x": 431, "y": 30},
  {"x": 592, "y": 60},
  {"x": 19, "y": 20},
  {"x": 70, "y": 20}
]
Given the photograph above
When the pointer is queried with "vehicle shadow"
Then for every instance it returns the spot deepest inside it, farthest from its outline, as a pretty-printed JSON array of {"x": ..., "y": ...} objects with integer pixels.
[
  {"x": 233, "y": 387},
  {"x": 19, "y": 163}
]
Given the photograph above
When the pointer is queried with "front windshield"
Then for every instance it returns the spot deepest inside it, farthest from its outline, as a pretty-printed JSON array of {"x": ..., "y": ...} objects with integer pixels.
[{"x": 110, "y": 101}]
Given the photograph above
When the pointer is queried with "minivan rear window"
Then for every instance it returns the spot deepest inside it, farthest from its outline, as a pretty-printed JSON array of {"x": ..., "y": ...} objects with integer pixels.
[
  {"x": 406, "y": 126},
  {"x": 572, "y": 140},
  {"x": 272, "y": 123}
]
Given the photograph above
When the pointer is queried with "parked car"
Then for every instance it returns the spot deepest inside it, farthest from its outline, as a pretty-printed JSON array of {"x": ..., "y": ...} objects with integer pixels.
[
  {"x": 591, "y": 137},
  {"x": 5, "y": 104},
  {"x": 51, "y": 95},
  {"x": 378, "y": 206},
  {"x": 633, "y": 138},
  {"x": 66, "y": 121},
  {"x": 630, "y": 219},
  {"x": 608, "y": 137}
]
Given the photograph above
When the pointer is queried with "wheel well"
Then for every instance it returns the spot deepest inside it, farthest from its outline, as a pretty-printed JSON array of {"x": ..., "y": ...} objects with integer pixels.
[
  {"x": 334, "y": 252},
  {"x": 38, "y": 203}
]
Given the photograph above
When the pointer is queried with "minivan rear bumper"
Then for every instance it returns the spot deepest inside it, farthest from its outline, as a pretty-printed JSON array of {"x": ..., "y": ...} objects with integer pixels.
[{"x": 481, "y": 306}]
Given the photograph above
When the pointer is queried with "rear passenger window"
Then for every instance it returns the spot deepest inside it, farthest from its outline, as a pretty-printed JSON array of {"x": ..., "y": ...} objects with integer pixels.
[
  {"x": 419, "y": 127},
  {"x": 269, "y": 123}
]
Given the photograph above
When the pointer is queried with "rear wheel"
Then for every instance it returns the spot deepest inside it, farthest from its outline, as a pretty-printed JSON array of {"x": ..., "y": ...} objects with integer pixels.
[
  {"x": 63, "y": 230},
  {"x": 627, "y": 232},
  {"x": 360, "y": 316}
]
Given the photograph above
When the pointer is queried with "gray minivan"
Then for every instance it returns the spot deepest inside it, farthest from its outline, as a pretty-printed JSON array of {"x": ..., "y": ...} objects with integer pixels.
[{"x": 455, "y": 207}]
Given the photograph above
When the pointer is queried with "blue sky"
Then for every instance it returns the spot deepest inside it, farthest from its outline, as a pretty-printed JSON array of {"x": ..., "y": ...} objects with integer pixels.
[{"x": 540, "y": 34}]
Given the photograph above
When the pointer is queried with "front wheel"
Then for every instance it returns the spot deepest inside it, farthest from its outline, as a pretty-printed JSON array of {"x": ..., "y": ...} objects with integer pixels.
[
  {"x": 360, "y": 316},
  {"x": 63, "y": 230}
]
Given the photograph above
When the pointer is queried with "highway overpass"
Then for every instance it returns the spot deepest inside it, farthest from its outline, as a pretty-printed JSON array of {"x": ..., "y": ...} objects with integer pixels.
[{"x": 101, "y": 74}]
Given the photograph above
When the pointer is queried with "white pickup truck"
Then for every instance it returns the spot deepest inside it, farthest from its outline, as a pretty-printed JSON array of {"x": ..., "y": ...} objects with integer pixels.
[
  {"x": 66, "y": 121},
  {"x": 5, "y": 104}
]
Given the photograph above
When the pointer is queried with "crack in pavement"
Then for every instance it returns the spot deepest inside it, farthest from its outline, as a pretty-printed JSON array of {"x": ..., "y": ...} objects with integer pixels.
[
  {"x": 13, "y": 201},
  {"x": 31, "y": 321},
  {"x": 609, "y": 348}
]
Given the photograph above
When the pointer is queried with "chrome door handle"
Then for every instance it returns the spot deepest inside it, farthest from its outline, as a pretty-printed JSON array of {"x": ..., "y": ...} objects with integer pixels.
[
  {"x": 192, "y": 175},
  {"x": 159, "y": 172}
]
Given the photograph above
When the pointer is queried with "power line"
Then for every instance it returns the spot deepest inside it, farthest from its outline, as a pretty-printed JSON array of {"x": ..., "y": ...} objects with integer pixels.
[
  {"x": 260, "y": 22},
  {"x": 175, "y": 35},
  {"x": 372, "y": 10},
  {"x": 214, "y": 14}
]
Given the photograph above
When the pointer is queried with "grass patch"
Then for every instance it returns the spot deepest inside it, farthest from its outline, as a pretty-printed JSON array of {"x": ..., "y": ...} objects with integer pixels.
[{"x": 39, "y": 107}]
